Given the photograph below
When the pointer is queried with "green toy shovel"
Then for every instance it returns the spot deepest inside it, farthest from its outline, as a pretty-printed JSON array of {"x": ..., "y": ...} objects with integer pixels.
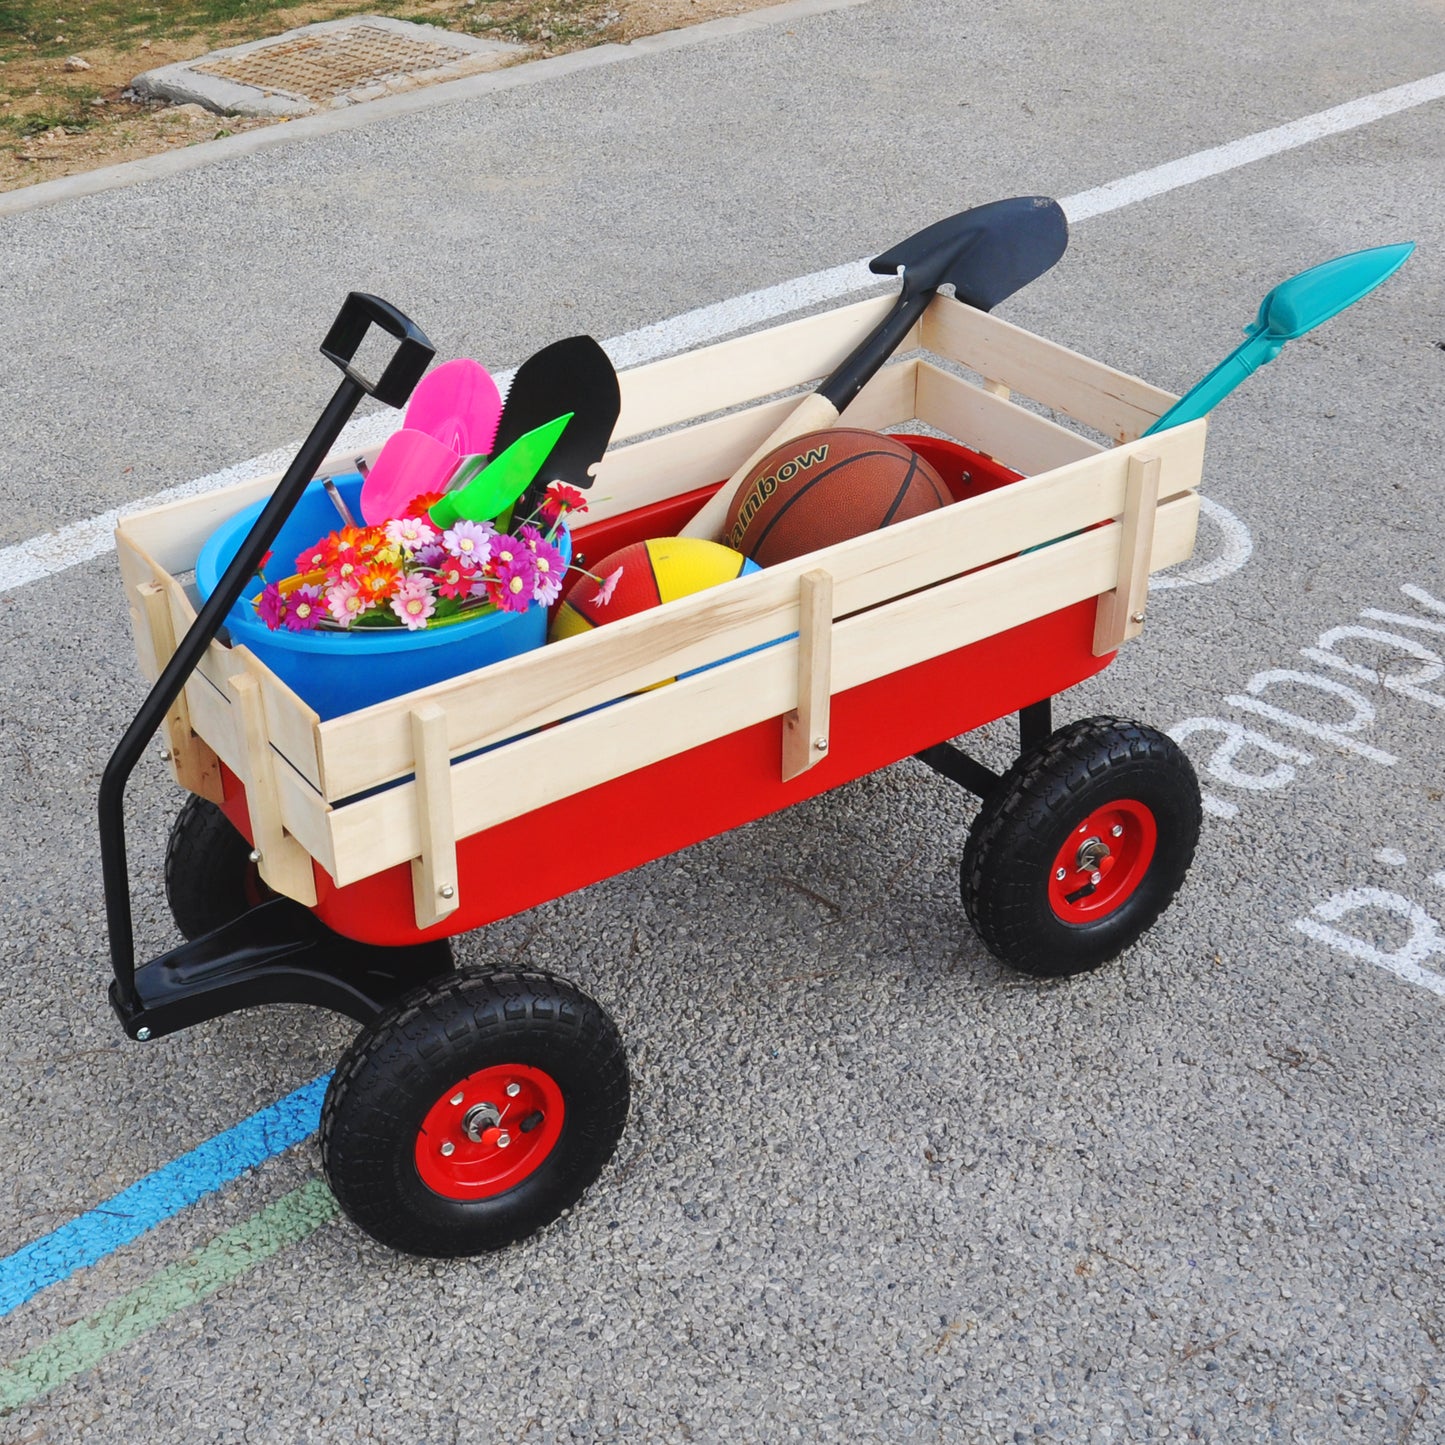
[
  {"x": 1287, "y": 313},
  {"x": 485, "y": 489}
]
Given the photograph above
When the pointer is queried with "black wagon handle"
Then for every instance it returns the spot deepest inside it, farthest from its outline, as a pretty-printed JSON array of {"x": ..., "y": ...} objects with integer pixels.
[
  {"x": 359, "y": 312},
  {"x": 414, "y": 353}
]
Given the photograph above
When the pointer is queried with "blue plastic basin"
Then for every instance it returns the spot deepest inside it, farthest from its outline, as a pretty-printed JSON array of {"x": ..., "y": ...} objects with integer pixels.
[{"x": 339, "y": 672}]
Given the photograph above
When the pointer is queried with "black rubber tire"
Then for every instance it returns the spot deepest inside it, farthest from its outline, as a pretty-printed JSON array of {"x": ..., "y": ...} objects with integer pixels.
[
  {"x": 401, "y": 1064},
  {"x": 1018, "y": 833},
  {"x": 210, "y": 878}
]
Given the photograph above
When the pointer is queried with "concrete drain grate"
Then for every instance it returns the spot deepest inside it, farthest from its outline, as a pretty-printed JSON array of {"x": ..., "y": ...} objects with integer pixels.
[{"x": 337, "y": 62}]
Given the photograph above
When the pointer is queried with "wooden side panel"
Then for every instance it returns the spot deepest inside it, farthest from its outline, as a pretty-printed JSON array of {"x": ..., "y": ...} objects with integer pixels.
[
  {"x": 650, "y": 471},
  {"x": 367, "y": 748},
  {"x": 730, "y": 373},
  {"x": 992, "y": 424},
  {"x": 381, "y": 830},
  {"x": 1113, "y": 402}
]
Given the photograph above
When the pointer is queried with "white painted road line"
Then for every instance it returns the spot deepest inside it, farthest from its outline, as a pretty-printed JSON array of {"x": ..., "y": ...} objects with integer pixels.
[{"x": 41, "y": 557}]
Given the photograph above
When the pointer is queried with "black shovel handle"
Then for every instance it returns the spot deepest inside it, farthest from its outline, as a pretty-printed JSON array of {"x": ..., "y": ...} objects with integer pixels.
[{"x": 358, "y": 313}]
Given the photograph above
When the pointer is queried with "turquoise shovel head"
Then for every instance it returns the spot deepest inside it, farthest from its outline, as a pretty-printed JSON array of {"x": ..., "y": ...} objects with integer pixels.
[{"x": 1287, "y": 313}]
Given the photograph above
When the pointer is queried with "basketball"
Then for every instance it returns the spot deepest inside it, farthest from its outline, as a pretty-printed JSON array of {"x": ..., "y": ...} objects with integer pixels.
[
  {"x": 825, "y": 487},
  {"x": 652, "y": 573}
]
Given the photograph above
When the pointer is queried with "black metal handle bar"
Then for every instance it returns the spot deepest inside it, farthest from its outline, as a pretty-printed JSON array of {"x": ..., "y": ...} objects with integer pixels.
[{"x": 412, "y": 357}]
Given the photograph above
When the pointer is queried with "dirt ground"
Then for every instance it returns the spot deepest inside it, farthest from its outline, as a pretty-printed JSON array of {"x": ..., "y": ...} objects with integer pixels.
[{"x": 102, "y": 127}]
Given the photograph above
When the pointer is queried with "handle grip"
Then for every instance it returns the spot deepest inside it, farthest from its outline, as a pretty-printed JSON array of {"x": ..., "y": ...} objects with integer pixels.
[{"x": 359, "y": 312}]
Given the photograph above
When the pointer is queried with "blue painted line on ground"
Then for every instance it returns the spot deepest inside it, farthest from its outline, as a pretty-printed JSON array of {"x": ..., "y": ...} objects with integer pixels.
[{"x": 149, "y": 1201}]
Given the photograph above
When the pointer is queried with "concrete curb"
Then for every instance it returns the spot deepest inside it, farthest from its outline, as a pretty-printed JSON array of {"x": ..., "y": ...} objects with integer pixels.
[{"x": 171, "y": 163}]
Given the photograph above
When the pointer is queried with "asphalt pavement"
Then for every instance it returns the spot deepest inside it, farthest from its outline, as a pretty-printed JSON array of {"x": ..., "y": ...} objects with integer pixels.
[{"x": 874, "y": 1186}]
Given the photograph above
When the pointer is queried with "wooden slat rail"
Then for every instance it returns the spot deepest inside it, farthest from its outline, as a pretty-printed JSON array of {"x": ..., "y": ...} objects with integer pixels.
[
  {"x": 639, "y": 473},
  {"x": 381, "y": 830},
  {"x": 1112, "y": 402},
  {"x": 714, "y": 378},
  {"x": 994, "y": 425},
  {"x": 364, "y": 749}
]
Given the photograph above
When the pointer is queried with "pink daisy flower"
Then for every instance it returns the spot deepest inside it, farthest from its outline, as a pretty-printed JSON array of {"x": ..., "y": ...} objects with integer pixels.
[
  {"x": 345, "y": 603},
  {"x": 550, "y": 568},
  {"x": 515, "y": 581},
  {"x": 413, "y": 602},
  {"x": 304, "y": 610},
  {"x": 608, "y": 587},
  {"x": 471, "y": 541},
  {"x": 411, "y": 534},
  {"x": 271, "y": 606}
]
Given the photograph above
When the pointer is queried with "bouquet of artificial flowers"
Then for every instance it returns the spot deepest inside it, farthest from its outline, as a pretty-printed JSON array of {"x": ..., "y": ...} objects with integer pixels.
[{"x": 409, "y": 573}]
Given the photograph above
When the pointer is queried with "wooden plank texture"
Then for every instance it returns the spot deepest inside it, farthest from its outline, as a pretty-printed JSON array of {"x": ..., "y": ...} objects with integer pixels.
[
  {"x": 805, "y": 729},
  {"x": 381, "y": 830},
  {"x": 1113, "y": 402},
  {"x": 364, "y": 749},
  {"x": 730, "y": 373}
]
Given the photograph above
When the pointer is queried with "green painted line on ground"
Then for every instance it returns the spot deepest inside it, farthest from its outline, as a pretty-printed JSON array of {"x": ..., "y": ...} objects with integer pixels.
[{"x": 226, "y": 1258}]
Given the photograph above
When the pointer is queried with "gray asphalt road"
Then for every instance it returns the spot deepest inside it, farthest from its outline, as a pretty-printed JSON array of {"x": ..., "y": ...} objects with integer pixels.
[{"x": 874, "y": 1187}]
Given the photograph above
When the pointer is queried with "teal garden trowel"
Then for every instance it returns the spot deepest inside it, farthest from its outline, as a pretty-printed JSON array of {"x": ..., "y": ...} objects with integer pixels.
[{"x": 1287, "y": 313}]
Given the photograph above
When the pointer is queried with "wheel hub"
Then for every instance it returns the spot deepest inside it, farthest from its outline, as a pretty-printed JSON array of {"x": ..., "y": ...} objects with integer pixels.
[
  {"x": 1091, "y": 877},
  {"x": 489, "y": 1131}
]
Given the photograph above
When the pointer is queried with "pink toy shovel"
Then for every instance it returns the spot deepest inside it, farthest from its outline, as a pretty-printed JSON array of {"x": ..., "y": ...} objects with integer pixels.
[
  {"x": 453, "y": 413},
  {"x": 458, "y": 404},
  {"x": 409, "y": 464}
]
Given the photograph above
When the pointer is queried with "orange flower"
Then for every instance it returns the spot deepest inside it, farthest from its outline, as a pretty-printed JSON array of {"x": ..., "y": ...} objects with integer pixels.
[{"x": 376, "y": 581}]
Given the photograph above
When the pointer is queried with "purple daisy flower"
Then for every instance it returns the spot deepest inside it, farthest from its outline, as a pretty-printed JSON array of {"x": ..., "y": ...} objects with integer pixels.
[
  {"x": 271, "y": 606},
  {"x": 305, "y": 609},
  {"x": 515, "y": 581},
  {"x": 551, "y": 568}
]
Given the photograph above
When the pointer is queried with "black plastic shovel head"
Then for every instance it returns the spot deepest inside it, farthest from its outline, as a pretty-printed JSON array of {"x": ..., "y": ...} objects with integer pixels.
[
  {"x": 573, "y": 375},
  {"x": 985, "y": 254}
]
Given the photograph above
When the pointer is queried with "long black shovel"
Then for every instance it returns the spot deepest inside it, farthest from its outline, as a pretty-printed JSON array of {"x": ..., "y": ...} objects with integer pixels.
[{"x": 985, "y": 254}]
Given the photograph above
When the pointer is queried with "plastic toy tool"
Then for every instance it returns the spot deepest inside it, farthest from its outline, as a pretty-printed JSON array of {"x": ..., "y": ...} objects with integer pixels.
[
  {"x": 453, "y": 412},
  {"x": 486, "y": 489},
  {"x": 1293, "y": 308}
]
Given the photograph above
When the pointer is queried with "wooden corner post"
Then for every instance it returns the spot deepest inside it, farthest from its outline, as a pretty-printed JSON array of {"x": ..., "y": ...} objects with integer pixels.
[
  {"x": 805, "y": 729},
  {"x": 1120, "y": 615}
]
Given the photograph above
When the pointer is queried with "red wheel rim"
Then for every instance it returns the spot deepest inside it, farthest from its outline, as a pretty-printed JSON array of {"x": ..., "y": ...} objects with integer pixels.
[
  {"x": 1103, "y": 861},
  {"x": 489, "y": 1131}
]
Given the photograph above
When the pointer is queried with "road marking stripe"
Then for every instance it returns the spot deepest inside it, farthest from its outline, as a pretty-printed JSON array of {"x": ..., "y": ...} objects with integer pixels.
[
  {"x": 42, "y": 557},
  {"x": 226, "y": 1258},
  {"x": 102, "y": 1230}
]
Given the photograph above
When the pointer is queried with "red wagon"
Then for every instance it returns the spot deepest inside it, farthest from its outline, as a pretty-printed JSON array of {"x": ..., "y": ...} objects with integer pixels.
[{"x": 328, "y": 862}]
